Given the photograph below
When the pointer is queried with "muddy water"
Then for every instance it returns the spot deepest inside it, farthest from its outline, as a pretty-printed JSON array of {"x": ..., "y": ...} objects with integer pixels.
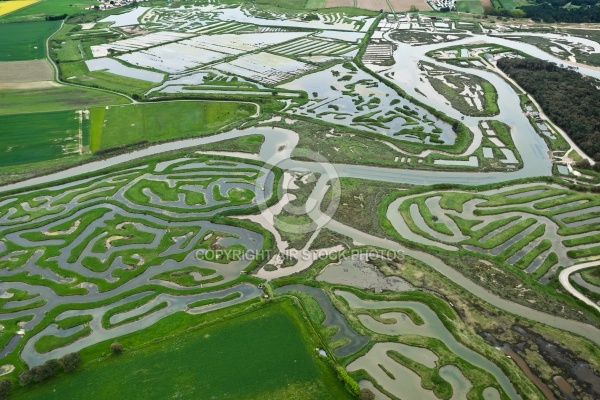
[
  {"x": 404, "y": 383},
  {"x": 527, "y": 371},
  {"x": 460, "y": 384},
  {"x": 567, "y": 361},
  {"x": 356, "y": 271},
  {"x": 565, "y": 389},
  {"x": 365, "y": 384},
  {"x": 490, "y": 393},
  {"x": 432, "y": 327}
]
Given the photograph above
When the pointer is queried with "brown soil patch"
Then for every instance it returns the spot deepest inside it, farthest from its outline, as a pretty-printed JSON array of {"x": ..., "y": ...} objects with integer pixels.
[
  {"x": 486, "y": 3},
  {"x": 339, "y": 3},
  {"x": 25, "y": 71},
  {"x": 375, "y": 5},
  {"x": 29, "y": 85},
  {"x": 404, "y": 5}
]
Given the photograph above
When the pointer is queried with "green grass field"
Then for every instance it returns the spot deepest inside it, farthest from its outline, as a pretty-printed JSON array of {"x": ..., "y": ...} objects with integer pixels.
[
  {"x": 265, "y": 354},
  {"x": 54, "y": 99},
  {"x": 293, "y": 4},
  {"x": 25, "y": 41},
  {"x": 28, "y": 138},
  {"x": 511, "y": 4},
  {"x": 141, "y": 123},
  {"x": 470, "y": 6}
]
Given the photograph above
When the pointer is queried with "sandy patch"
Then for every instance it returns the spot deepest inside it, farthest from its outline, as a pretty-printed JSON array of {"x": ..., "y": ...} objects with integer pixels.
[
  {"x": 67, "y": 232},
  {"x": 112, "y": 239},
  {"x": 339, "y": 3},
  {"x": 6, "y": 369},
  {"x": 29, "y": 85},
  {"x": 404, "y": 5},
  {"x": 25, "y": 71},
  {"x": 373, "y": 5}
]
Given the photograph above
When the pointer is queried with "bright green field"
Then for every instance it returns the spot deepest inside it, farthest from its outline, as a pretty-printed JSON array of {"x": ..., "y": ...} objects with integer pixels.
[
  {"x": 471, "y": 6},
  {"x": 154, "y": 122},
  {"x": 54, "y": 99},
  {"x": 265, "y": 354},
  {"x": 28, "y": 138},
  {"x": 25, "y": 41}
]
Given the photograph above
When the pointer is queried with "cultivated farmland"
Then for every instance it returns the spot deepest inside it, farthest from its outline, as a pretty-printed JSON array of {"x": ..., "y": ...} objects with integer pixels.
[
  {"x": 25, "y": 71},
  {"x": 54, "y": 98},
  {"x": 7, "y": 7},
  {"x": 28, "y": 138},
  {"x": 25, "y": 41}
]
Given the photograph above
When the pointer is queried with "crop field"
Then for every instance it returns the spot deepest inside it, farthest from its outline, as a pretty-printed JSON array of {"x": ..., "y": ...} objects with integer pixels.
[
  {"x": 7, "y": 7},
  {"x": 25, "y": 41},
  {"x": 25, "y": 71},
  {"x": 39, "y": 9},
  {"x": 510, "y": 4},
  {"x": 146, "y": 123},
  {"x": 54, "y": 98},
  {"x": 269, "y": 353},
  {"x": 29, "y": 138},
  {"x": 533, "y": 228},
  {"x": 470, "y": 6}
]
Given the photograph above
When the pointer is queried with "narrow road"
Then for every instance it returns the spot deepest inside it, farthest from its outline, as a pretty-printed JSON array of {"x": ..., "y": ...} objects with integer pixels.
[{"x": 563, "y": 277}]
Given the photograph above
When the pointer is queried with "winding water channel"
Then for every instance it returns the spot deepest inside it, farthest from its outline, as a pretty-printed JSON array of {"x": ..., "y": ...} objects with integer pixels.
[{"x": 277, "y": 149}]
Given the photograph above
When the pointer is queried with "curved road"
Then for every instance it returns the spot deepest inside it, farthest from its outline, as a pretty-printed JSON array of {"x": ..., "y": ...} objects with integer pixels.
[{"x": 563, "y": 277}]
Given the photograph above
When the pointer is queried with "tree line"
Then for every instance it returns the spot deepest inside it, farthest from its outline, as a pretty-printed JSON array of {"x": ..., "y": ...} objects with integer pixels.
[
  {"x": 586, "y": 11},
  {"x": 569, "y": 98},
  {"x": 578, "y": 11}
]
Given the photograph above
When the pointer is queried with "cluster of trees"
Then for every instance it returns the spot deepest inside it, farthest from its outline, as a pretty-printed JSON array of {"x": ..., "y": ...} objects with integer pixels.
[
  {"x": 555, "y": 11},
  {"x": 569, "y": 98},
  {"x": 502, "y": 12},
  {"x": 5, "y": 388},
  {"x": 579, "y": 11},
  {"x": 47, "y": 370}
]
